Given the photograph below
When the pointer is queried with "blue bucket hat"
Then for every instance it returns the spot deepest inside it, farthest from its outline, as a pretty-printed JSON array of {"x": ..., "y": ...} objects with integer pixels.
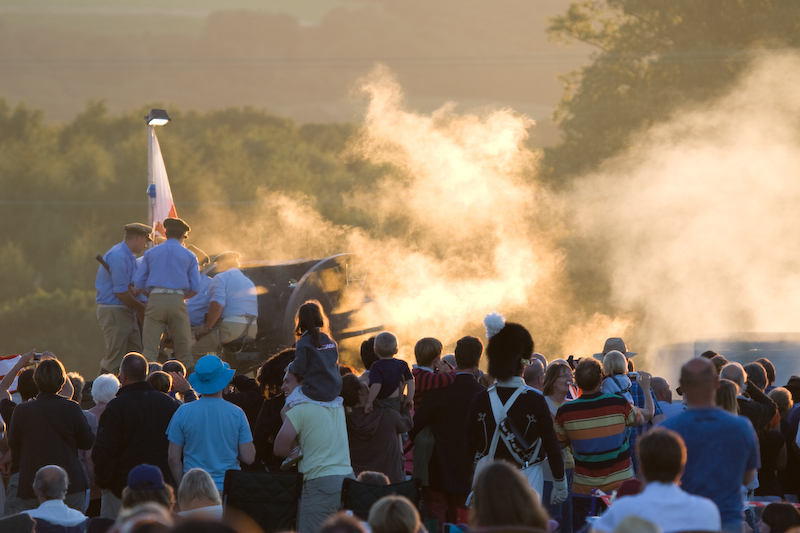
[{"x": 211, "y": 375}]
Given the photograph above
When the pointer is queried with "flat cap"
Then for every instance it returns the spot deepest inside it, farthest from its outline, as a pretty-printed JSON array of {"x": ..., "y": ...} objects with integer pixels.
[
  {"x": 140, "y": 229},
  {"x": 227, "y": 256},
  {"x": 176, "y": 224}
]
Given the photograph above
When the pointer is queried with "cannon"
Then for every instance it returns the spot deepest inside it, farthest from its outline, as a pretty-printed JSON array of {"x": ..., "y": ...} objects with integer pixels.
[{"x": 283, "y": 287}]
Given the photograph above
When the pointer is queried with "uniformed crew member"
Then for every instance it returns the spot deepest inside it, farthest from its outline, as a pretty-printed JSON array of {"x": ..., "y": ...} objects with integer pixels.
[
  {"x": 197, "y": 305},
  {"x": 233, "y": 300},
  {"x": 168, "y": 275},
  {"x": 117, "y": 305}
]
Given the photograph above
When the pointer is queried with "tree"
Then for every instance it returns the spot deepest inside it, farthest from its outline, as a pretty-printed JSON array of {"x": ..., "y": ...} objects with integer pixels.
[{"x": 654, "y": 56}]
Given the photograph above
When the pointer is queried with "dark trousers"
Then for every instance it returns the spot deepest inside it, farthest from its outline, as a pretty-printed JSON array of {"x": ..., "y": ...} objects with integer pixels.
[
  {"x": 560, "y": 512},
  {"x": 582, "y": 507},
  {"x": 443, "y": 506}
]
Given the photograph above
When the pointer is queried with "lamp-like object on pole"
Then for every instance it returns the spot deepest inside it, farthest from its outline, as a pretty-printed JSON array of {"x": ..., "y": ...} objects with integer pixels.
[{"x": 157, "y": 117}]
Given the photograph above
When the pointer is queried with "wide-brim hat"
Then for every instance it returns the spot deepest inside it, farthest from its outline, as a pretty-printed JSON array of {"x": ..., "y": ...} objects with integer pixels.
[
  {"x": 793, "y": 386},
  {"x": 614, "y": 343},
  {"x": 202, "y": 257},
  {"x": 227, "y": 256},
  {"x": 211, "y": 375}
]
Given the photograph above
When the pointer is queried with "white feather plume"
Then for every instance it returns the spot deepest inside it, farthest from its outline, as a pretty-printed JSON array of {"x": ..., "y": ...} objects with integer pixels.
[{"x": 493, "y": 322}]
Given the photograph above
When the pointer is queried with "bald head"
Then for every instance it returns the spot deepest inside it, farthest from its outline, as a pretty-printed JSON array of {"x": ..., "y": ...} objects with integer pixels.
[
  {"x": 50, "y": 483},
  {"x": 735, "y": 373},
  {"x": 661, "y": 389},
  {"x": 133, "y": 368},
  {"x": 699, "y": 382},
  {"x": 534, "y": 374}
]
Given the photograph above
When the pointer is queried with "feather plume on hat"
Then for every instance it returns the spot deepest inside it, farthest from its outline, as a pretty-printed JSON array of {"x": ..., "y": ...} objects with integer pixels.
[{"x": 493, "y": 322}]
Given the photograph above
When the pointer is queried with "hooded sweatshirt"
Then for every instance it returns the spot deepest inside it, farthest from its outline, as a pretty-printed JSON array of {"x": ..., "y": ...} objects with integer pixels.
[{"x": 373, "y": 440}]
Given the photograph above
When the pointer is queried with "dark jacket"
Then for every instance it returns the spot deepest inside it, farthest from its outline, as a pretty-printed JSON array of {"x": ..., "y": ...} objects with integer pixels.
[
  {"x": 318, "y": 366},
  {"x": 267, "y": 426},
  {"x": 49, "y": 431},
  {"x": 132, "y": 431},
  {"x": 445, "y": 411},
  {"x": 529, "y": 418},
  {"x": 760, "y": 408},
  {"x": 373, "y": 441}
]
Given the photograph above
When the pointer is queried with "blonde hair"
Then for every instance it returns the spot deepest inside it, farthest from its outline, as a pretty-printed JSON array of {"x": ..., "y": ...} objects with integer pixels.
[
  {"x": 614, "y": 363},
  {"x": 726, "y": 395},
  {"x": 393, "y": 514},
  {"x": 385, "y": 344},
  {"x": 783, "y": 399},
  {"x": 197, "y": 489}
]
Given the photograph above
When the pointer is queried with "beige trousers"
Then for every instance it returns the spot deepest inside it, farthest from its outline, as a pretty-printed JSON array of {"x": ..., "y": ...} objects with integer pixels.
[
  {"x": 227, "y": 331},
  {"x": 121, "y": 333},
  {"x": 167, "y": 310}
]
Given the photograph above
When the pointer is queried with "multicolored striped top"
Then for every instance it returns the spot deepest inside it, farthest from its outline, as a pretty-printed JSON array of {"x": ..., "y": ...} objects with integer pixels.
[{"x": 596, "y": 425}]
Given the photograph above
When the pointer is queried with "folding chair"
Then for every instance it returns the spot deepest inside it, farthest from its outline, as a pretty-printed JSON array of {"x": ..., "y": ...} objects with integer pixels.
[
  {"x": 359, "y": 497},
  {"x": 269, "y": 498}
]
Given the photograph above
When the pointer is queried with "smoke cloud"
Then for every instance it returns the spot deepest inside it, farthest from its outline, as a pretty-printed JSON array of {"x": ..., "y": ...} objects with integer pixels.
[
  {"x": 695, "y": 221},
  {"x": 692, "y": 226}
]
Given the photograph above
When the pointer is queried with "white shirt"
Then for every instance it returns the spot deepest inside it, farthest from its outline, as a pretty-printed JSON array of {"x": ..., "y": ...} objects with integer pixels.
[
  {"x": 57, "y": 512},
  {"x": 667, "y": 506},
  {"x": 212, "y": 511},
  {"x": 235, "y": 293}
]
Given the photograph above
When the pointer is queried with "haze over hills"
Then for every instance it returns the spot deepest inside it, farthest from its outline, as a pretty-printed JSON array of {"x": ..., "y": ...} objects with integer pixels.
[{"x": 296, "y": 58}]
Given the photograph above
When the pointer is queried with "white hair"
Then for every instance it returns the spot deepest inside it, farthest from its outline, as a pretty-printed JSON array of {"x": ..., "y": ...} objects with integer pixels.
[
  {"x": 736, "y": 373},
  {"x": 104, "y": 388}
]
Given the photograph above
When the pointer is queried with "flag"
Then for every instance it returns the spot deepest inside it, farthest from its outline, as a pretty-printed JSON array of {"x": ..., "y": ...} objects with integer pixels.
[
  {"x": 164, "y": 206},
  {"x": 7, "y": 363}
]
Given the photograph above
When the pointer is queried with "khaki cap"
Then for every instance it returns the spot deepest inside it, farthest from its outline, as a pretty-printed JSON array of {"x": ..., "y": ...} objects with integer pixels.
[
  {"x": 139, "y": 229},
  {"x": 176, "y": 224}
]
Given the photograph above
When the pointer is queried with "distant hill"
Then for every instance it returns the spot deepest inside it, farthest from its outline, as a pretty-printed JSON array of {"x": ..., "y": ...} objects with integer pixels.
[{"x": 296, "y": 58}]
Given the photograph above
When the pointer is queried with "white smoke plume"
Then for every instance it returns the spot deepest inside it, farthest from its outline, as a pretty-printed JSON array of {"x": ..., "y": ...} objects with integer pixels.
[{"x": 696, "y": 220}]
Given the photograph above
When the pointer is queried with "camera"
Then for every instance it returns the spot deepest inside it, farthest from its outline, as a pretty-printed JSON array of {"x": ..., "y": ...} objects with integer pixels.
[{"x": 634, "y": 376}]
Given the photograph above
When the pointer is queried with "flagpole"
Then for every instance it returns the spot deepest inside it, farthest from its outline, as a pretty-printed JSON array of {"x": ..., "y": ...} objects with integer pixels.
[{"x": 151, "y": 187}]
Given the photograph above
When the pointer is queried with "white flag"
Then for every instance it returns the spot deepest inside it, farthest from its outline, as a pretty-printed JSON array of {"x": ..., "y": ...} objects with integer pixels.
[
  {"x": 7, "y": 363},
  {"x": 164, "y": 206}
]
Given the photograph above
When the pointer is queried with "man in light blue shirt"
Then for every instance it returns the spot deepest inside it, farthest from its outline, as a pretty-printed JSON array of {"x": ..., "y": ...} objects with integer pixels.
[
  {"x": 233, "y": 307},
  {"x": 168, "y": 275},
  {"x": 197, "y": 305},
  {"x": 211, "y": 433},
  {"x": 117, "y": 303}
]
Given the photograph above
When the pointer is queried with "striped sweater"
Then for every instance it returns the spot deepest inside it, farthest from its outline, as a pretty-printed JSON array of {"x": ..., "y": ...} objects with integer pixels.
[
  {"x": 596, "y": 425},
  {"x": 425, "y": 380}
]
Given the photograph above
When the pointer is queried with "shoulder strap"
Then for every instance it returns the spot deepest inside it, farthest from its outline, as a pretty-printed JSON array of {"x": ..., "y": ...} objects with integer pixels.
[
  {"x": 621, "y": 391},
  {"x": 500, "y": 410},
  {"x": 54, "y": 426},
  {"x": 510, "y": 448}
]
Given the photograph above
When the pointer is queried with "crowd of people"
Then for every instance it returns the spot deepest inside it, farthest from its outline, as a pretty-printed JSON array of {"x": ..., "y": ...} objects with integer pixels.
[{"x": 565, "y": 445}]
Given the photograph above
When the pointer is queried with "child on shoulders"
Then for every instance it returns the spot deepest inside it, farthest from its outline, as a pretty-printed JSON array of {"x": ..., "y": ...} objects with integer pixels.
[
  {"x": 316, "y": 356},
  {"x": 615, "y": 367},
  {"x": 313, "y": 376},
  {"x": 387, "y": 375}
]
